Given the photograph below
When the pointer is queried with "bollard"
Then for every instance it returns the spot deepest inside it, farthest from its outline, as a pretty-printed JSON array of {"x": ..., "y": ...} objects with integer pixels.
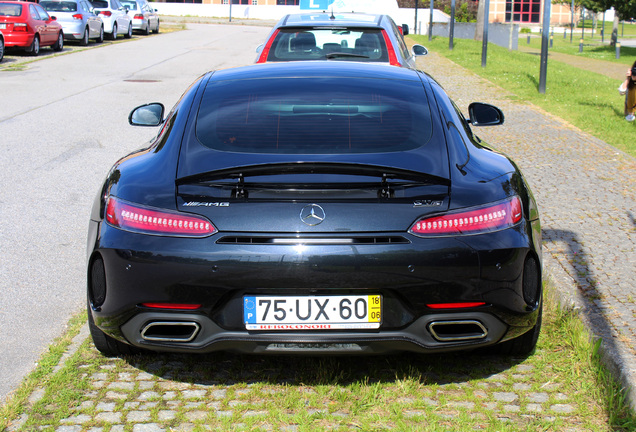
[
  {"x": 618, "y": 50},
  {"x": 581, "y": 46},
  {"x": 565, "y": 33},
  {"x": 551, "y": 38},
  {"x": 528, "y": 39}
]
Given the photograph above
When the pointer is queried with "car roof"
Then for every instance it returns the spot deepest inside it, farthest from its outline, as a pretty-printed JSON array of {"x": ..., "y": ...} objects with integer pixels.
[
  {"x": 319, "y": 69},
  {"x": 331, "y": 20}
]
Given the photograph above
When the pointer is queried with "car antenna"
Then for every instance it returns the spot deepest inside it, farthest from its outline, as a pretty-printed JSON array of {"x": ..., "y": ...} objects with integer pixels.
[{"x": 332, "y": 17}]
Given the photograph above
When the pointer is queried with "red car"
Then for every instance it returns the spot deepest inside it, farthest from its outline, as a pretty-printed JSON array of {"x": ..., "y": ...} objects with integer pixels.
[{"x": 27, "y": 25}]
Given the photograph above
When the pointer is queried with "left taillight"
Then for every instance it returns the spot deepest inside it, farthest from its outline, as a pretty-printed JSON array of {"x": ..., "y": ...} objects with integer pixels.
[
  {"x": 391, "y": 51},
  {"x": 105, "y": 13},
  {"x": 265, "y": 53},
  {"x": 20, "y": 27},
  {"x": 148, "y": 220},
  {"x": 493, "y": 217}
]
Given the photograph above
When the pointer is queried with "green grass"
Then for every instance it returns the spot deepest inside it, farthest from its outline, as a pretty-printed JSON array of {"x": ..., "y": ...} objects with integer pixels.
[
  {"x": 592, "y": 48},
  {"x": 335, "y": 393},
  {"x": 586, "y": 99}
]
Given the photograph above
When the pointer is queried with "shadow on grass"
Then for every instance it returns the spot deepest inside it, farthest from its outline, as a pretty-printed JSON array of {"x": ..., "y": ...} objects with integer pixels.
[{"x": 227, "y": 369}]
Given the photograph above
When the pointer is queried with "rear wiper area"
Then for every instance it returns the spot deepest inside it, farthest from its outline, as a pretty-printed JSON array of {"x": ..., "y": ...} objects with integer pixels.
[
  {"x": 313, "y": 180},
  {"x": 333, "y": 55}
]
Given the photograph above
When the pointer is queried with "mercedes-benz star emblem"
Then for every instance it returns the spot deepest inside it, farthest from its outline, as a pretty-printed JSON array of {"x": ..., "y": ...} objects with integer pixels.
[{"x": 312, "y": 214}]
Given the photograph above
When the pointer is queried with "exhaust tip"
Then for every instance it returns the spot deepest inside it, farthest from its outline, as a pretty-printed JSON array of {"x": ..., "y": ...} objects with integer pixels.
[
  {"x": 461, "y": 330},
  {"x": 170, "y": 331}
]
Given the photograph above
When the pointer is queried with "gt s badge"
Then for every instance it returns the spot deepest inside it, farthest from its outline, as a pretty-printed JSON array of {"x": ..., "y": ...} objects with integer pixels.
[{"x": 427, "y": 203}]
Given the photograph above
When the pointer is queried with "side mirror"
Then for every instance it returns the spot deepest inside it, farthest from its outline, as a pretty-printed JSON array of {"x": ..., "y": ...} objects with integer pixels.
[
  {"x": 419, "y": 50},
  {"x": 259, "y": 48},
  {"x": 405, "y": 29},
  {"x": 482, "y": 114},
  {"x": 147, "y": 115}
]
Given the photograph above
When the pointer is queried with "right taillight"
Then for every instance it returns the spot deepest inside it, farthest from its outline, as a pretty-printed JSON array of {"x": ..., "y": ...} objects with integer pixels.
[
  {"x": 105, "y": 13},
  {"x": 148, "y": 220},
  {"x": 477, "y": 220},
  {"x": 138, "y": 16}
]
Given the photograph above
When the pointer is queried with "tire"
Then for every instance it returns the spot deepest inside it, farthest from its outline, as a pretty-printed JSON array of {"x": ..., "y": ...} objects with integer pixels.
[
  {"x": 113, "y": 35},
  {"x": 146, "y": 31},
  {"x": 84, "y": 40},
  {"x": 59, "y": 45},
  {"x": 34, "y": 49},
  {"x": 157, "y": 29},
  {"x": 523, "y": 345},
  {"x": 130, "y": 31},
  {"x": 100, "y": 38},
  {"x": 105, "y": 344},
  {"x": 1, "y": 49}
]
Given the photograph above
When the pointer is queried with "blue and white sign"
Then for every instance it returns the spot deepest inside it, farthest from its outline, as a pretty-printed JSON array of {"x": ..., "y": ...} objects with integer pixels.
[{"x": 315, "y": 4}]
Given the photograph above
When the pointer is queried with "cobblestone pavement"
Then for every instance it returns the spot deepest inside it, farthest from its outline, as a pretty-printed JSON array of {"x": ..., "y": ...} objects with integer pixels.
[{"x": 586, "y": 191}]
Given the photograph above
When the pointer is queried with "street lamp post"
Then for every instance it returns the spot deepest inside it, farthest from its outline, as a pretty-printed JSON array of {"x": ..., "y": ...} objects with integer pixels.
[
  {"x": 451, "y": 33},
  {"x": 484, "y": 44},
  {"x": 544, "y": 45}
]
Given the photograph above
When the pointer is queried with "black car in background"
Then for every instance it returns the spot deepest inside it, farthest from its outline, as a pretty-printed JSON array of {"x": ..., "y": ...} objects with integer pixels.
[{"x": 315, "y": 207}]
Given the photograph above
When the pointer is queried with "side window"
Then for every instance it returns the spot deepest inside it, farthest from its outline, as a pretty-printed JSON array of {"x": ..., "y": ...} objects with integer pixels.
[
  {"x": 34, "y": 13},
  {"x": 44, "y": 16}
]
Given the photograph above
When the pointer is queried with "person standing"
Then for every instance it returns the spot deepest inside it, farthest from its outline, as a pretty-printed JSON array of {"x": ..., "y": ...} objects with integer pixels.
[{"x": 628, "y": 88}]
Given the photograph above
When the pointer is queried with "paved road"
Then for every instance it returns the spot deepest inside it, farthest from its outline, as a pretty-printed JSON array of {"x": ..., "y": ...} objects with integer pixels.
[{"x": 63, "y": 123}]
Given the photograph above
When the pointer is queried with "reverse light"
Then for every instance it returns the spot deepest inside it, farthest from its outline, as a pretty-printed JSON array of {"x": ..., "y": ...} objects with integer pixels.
[
  {"x": 455, "y": 305},
  {"x": 493, "y": 217},
  {"x": 265, "y": 53},
  {"x": 179, "y": 306},
  {"x": 389, "y": 46},
  {"x": 146, "y": 220},
  {"x": 78, "y": 16}
]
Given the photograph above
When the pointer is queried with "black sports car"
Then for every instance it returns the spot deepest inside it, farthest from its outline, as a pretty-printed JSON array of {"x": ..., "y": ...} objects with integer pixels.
[{"x": 315, "y": 207}]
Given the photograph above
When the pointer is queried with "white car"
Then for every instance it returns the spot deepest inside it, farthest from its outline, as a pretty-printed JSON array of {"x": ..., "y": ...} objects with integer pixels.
[
  {"x": 115, "y": 17},
  {"x": 79, "y": 20},
  {"x": 144, "y": 16}
]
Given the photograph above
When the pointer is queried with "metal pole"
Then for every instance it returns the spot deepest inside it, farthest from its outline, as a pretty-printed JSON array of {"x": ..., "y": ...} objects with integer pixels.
[
  {"x": 484, "y": 45},
  {"x": 231, "y": 10},
  {"x": 603, "y": 29},
  {"x": 572, "y": 21},
  {"x": 451, "y": 34},
  {"x": 544, "y": 45},
  {"x": 415, "y": 24},
  {"x": 430, "y": 22}
]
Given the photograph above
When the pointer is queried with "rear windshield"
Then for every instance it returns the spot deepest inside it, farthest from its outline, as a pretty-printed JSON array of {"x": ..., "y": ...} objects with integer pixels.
[
  {"x": 59, "y": 6},
  {"x": 129, "y": 4},
  {"x": 314, "y": 116},
  {"x": 12, "y": 10},
  {"x": 100, "y": 4},
  {"x": 319, "y": 44}
]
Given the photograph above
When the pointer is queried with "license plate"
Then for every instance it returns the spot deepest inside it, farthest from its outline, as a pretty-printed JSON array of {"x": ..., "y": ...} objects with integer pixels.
[
  {"x": 312, "y": 312},
  {"x": 3, "y": 26}
]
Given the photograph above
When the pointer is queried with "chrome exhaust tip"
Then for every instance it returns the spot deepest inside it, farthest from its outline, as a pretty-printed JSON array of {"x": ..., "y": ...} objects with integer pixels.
[
  {"x": 170, "y": 331},
  {"x": 461, "y": 330}
]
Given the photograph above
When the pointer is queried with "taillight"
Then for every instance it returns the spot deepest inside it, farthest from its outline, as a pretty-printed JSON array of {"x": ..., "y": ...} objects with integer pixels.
[
  {"x": 389, "y": 46},
  {"x": 138, "y": 16},
  {"x": 265, "y": 53},
  {"x": 105, "y": 13},
  {"x": 493, "y": 217},
  {"x": 455, "y": 305},
  {"x": 179, "y": 306},
  {"x": 19, "y": 27},
  {"x": 78, "y": 16},
  {"x": 146, "y": 220}
]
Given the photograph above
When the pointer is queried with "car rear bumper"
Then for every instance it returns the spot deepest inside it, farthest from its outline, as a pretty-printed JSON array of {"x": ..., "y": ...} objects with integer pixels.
[
  {"x": 18, "y": 40},
  {"x": 409, "y": 276}
]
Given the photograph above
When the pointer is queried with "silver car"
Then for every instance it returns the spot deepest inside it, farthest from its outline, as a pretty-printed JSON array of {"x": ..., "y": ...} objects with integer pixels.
[
  {"x": 115, "y": 17},
  {"x": 144, "y": 17},
  {"x": 79, "y": 20}
]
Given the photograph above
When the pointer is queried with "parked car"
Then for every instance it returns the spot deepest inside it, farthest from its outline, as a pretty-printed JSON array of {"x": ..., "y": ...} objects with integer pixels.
[
  {"x": 144, "y": 16},
  {"x": 347, "y": 36},
  {"x": 27, "y": 25},
  {"x": 115, "y": 17},
  {"x": 315, "y": 207},
  {"x": 78, "y": 18}
]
